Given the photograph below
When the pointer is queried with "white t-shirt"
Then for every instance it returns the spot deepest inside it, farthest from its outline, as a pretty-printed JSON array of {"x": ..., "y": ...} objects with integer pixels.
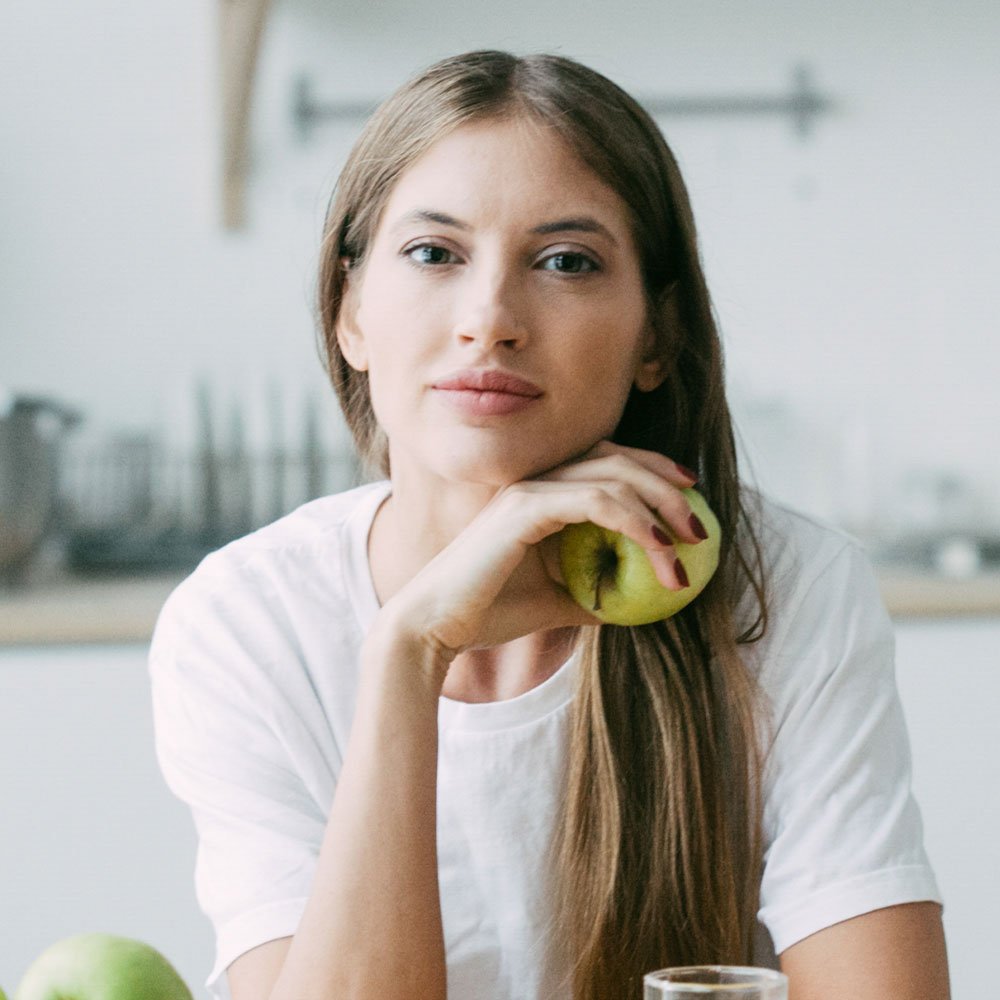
[{"x": 254, "y": 667}]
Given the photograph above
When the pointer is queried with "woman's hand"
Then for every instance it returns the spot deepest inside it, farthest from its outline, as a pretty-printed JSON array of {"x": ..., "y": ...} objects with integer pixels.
[{"x": 499, "y": 579}]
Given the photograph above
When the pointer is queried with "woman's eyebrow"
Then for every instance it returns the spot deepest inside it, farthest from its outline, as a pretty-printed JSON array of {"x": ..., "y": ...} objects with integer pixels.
[
  {"x": 426, "y": 215},
  {"x": 577, "y": 224}
]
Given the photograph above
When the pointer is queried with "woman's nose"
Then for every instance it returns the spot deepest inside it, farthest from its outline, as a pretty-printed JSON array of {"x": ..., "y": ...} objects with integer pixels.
[{"x": 492, "y": 307}]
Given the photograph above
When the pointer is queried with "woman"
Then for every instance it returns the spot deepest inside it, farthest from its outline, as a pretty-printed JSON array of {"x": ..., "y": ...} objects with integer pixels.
[{"x": 417, "y": 767}]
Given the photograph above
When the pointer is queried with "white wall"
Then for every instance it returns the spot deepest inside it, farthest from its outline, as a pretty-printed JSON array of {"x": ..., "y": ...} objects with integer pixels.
[
  {"x": 854, "y": 273},
  {"x": 91, "y": 839}
]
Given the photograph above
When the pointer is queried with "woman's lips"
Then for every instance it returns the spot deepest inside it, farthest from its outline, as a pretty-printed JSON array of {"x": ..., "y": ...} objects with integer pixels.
[
  {"x": 488, "y": 380},
  {"x": 476, "y": 402},
  {"x": 486, "y": 391}
]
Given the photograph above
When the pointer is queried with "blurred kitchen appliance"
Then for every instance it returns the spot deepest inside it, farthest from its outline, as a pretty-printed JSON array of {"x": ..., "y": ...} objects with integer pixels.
[
  {"x": 140, "y": 506},
  {"x": 31, "y": 431}
]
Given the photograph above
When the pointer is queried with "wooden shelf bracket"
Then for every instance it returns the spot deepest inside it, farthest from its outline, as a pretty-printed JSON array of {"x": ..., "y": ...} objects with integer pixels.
[{"x": 241, "y": 25}]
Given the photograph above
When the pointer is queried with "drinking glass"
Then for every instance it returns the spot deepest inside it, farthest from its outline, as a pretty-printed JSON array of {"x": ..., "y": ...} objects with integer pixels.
[{"x": 724, "y": 982}]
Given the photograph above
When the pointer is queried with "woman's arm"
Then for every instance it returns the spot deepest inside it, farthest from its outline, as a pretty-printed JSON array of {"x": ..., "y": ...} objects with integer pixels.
[
  {"x": 253, "y": 975},
  {"x": 896, "y": 952},
  {"x": 372, "y": 926}
]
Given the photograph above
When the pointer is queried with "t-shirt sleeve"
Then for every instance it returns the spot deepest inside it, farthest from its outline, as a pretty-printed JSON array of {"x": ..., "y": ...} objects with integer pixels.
[
  {"x": 843, "y": 832},
  {"x": 259, "y": 830}
]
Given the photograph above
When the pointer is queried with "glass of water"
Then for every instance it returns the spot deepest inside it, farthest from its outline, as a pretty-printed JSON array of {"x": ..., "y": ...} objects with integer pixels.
[{"x": 700, "y": 982}]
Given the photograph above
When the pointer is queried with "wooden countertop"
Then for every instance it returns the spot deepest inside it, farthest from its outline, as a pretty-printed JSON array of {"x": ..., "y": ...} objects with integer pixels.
[
  {"x": 113, "y": 610},
  {"x": 124, "y": 610},
  {"x": 910, "y": 594}
]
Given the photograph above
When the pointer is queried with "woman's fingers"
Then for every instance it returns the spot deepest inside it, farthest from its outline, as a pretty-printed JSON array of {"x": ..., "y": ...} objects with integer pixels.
[
  {"x": 495, "y": 582},
  {"x": 611, "y": 504},
  {"x": 653, "y": 477},
  {"x": 672, "y": 471},
  {"x": 675, "y": 473}
]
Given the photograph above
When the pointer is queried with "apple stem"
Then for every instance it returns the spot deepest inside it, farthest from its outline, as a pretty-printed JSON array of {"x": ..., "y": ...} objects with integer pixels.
[{"x": 607, "y": 566}]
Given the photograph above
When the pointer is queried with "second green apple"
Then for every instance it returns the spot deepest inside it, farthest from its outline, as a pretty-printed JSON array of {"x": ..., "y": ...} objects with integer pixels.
[
  {"x": 98, "y": 966},
  {"x": 611, "y": 576}
]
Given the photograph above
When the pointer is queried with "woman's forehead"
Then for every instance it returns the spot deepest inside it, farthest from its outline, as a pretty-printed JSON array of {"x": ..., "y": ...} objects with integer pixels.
[{"x": 507, "y": 168}]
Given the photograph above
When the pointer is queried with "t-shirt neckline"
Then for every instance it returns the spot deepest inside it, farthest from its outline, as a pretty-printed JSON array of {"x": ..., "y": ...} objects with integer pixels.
[{"x": 551, "y": 695}]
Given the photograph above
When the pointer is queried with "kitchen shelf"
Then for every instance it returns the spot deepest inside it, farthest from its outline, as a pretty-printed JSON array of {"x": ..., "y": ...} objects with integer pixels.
[{"x": 124, "y": 609}]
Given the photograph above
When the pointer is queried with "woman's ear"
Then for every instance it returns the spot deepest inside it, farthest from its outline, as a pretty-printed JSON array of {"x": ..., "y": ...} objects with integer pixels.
[
  {"x": 652, "y": 370},
  {"x": 650, "y": 375},
  {"x": 660, "y": 344},
  {"x": 349, "y": 335}
]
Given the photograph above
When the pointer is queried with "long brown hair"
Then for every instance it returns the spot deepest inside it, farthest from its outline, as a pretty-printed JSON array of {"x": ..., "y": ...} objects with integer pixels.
[{"x": 657, "y": 853}]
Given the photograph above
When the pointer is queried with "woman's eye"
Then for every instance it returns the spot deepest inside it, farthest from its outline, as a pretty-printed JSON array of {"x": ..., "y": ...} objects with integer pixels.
[
  {"x": 429, "y": 254},
  {"x": 569, "y": 263}
]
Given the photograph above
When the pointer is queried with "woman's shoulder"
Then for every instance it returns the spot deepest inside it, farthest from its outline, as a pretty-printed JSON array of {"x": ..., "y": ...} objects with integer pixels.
[
  {"x": 262, "y": 637},
  {"x": 313, "y": 524},
  {"x": 820, "y": 583},
  {"x": 796, "y": 548},
  {"x": 787, "y": 534},
  {"x": 311, "y": 551}
]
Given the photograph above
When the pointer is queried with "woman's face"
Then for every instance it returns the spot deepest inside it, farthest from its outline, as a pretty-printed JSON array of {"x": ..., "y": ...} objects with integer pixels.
[{"x": 498, "y": 249}]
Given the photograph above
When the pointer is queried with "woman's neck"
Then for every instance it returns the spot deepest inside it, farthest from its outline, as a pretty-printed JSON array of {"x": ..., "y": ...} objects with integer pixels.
[{"x": 497, "y": 673}]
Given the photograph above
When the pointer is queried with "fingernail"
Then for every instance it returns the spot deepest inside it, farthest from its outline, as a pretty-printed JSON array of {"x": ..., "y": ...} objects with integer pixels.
[
  {"x": 685, "y": 471},
  {"x": 697, "y": 527},
  {"x": 660, "y": 535},
  {"x": 681, "y": 574}
]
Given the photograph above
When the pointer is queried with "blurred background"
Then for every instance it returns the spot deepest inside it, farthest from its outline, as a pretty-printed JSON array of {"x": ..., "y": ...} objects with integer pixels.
[{"x": 163, "y": 180}]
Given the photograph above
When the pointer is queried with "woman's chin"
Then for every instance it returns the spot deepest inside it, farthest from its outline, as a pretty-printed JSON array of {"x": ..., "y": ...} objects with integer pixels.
[
  {"x": 503, "y": 470},
  {"x": 485, "y": 461}
]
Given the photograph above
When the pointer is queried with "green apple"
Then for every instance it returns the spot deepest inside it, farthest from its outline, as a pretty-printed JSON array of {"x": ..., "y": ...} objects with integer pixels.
[
  {"x": 101, "y": 967},
  {"x": 611, "y": 576}
]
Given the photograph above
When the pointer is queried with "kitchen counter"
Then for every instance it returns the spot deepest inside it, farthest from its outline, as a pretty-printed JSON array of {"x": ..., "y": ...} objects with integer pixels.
[
  {"x": 70, "y": 610},
  {"x": 124, "y": 610},
  {"x": 909, "y": 594}
]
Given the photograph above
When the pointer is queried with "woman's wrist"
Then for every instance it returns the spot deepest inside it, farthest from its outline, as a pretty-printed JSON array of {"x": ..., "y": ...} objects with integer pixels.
[{"x": 392, "y": 645}]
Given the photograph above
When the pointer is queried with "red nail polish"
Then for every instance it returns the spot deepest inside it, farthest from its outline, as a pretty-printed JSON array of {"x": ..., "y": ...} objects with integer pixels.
[
  {"x": 681, "y": 573},
  {"x": 697, "y": 527},
  {"x": 660, "y": 535},
  {"x": 685, "y": 471}
]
